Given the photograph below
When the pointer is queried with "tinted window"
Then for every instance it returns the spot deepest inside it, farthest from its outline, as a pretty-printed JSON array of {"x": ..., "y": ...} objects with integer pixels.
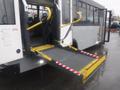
[
  {"x": 65, "y": 11},
  {"x": 7, "y": 14},
  {"x": 35, "y": 14},
  {"x": 95, "y": 15},
  {"x": 82, "y": 7},
  {"x": 89, "y": 14}
]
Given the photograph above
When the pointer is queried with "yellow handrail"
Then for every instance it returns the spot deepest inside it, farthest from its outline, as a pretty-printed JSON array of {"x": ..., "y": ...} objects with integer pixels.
[
  {"x": 49, "y": 13},
  {"x": 39, "y": 23},
  {"x": 33, "y": 26},
  {"x": 76, "y": 21}
]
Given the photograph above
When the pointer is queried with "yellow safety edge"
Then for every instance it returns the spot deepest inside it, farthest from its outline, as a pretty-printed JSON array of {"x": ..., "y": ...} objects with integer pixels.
[
  {"x": 90, "y": 68},
  {"x": 75, "y": 49},
  {"x": 45, "y": 56},
  {"x": 39, "y": 50},
  {"x": 42, "y": 48}
]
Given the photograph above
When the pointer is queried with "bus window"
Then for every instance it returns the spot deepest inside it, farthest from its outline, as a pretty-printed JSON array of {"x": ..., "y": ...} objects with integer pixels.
[
  {"x": 7, "y": 13},
  {"x": 89, "y": 14},
  {"x": 82, "y": 8},
  {"x": 75, "y": 16},
  {"x": 96, "y": 16},
  {"x": 35, "y": 13},
  {"x": 101, "y": 15},
  {"x": 65, "y": 11}
]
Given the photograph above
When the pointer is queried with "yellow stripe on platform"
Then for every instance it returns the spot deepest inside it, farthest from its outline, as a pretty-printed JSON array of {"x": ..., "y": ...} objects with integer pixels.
[
  {"x": 75, "y": 49},
  {"x": 39, "y": 50},
  {"x": 45, "y": 56},
  {"x": 42, "y": 48},
  {"x": 90, "y": 68}
]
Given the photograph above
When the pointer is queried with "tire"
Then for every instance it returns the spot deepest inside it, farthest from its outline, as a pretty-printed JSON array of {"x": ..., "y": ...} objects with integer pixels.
[{"x": 75, "y": 44}]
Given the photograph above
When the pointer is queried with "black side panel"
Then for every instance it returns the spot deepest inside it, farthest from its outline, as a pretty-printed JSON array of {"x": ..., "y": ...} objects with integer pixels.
[
  {"x": 109, "y": 26},
  {"x": 55, "y": 25},
  {"x": 25, "y": 34},
  {"x": 105, "y": 26},
  {"x": 30, "y": 63}
]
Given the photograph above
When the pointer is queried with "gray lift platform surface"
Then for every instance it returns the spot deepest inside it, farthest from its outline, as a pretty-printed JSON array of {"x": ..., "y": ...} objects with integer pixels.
[{"x": 72, "y": 60}]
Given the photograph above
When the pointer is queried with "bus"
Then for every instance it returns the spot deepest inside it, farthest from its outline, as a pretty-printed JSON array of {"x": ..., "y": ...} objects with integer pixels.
[{"x": 91, "y": 30}]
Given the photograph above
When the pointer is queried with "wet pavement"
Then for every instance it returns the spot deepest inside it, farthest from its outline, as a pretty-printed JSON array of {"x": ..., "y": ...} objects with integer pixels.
[
  {"x": 111, "y": 77},
  {"x": 51, "y": 78}
]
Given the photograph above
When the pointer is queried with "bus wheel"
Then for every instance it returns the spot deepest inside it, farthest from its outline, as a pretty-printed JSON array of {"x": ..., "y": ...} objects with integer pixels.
[{"x": 75, "y": 44}]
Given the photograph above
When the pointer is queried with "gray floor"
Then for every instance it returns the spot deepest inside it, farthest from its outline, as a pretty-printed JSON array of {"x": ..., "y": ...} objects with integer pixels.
[
  {"x": 111, "y": 77},
  {"x": 50, "y": 78}
]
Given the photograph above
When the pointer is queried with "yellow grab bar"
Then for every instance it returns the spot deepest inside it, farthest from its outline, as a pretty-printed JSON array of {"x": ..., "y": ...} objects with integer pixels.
[
  {"x": 45, "y": 56},
  {"x": 78, "y": 20},
  {"x": 33, "y": 26},
  {"x": 49, "y": 13},
  {"x": 39, "y": 23}
]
